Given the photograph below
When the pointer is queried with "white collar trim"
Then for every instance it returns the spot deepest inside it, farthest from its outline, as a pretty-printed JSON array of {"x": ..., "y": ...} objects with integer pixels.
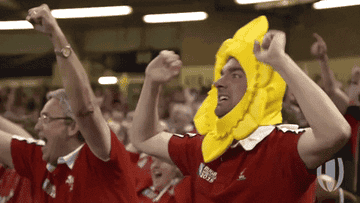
[
  {"x": 68, "y": 159},
  {"x": 260, "y": 133}
]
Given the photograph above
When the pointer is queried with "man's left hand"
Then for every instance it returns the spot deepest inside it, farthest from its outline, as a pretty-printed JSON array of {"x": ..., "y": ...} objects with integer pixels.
[{"x": 272, "y": 48}]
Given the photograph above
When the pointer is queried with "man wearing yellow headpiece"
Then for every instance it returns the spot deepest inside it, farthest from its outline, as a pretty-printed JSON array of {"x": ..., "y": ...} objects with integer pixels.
[{"x": 244, "y": 154}]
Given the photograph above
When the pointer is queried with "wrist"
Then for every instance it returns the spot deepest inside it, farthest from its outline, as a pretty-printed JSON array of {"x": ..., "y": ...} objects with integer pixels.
[
  {"x": 278, "y": 62},
  {"x": 58, "y": 39},
  {"x": 154, "y": 85},
  {"x": 323, "y": 57}
]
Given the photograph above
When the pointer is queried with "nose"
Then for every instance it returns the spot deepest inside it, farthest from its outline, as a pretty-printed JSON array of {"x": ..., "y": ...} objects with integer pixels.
[
  {"x": 220, "y": 83},
  {"x": 38, "y": 126}
]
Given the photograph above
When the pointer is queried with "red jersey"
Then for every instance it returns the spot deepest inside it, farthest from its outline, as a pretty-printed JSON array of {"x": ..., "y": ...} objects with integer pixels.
[
  {"x": 13, "y": 187},
  {"x": 179, "y": 193},
  {"x": 265, "y": 168},
  {"x": 82, "y": 178},
  {"x": 352, "y": 116}
]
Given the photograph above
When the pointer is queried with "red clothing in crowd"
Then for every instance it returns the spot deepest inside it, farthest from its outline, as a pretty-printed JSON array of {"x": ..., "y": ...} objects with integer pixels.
[
  {"x": 13, "y": 187},
  {"x": 81, "y": 178},
  {"x": 145, "y": 191},
  {"x": 265, "y": 167}
]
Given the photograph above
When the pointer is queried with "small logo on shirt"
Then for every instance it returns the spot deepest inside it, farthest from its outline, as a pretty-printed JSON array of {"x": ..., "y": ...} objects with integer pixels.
[
  {"x": 206, "y": 173},
  {"x": 242, "y": 176},
  {"x": 70, "y": 182}
]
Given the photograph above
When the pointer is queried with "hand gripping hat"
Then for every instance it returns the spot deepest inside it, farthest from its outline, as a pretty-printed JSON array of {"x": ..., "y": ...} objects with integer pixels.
[{"x": 261, "y": 104}]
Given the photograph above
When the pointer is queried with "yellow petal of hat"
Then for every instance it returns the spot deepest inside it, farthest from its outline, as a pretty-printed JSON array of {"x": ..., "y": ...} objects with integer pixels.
[{"x": 261, "y": 104}]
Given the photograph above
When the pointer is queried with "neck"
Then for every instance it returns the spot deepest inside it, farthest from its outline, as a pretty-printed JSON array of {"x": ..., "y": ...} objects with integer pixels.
[{"x": 72, "y": 144}]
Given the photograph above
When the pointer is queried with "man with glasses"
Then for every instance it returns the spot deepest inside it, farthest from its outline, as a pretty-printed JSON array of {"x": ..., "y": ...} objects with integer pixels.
[{"x": 77, "y": 158}]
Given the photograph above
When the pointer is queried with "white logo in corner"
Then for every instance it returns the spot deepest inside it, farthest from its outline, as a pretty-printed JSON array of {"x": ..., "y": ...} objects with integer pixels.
[{"x": 329, "y": 181}]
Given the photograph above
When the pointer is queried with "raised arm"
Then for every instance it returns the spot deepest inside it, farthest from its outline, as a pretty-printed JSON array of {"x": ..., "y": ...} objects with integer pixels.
[
  {"x": 7, "y": 130},
  {"x": 144, "y": 133},
  {"x": 87, "y": 113},
  {"x": 328, "y": 130},
  {"x": 331, "y": 87},
  {"x": 354, "y": 87}
]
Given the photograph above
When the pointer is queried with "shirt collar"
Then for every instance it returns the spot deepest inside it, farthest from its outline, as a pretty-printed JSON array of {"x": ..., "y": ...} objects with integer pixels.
[
  {"x": 260, "y": 133},
  {"x": 68, "y": 159},
  {"x": 255, "y": 138}
]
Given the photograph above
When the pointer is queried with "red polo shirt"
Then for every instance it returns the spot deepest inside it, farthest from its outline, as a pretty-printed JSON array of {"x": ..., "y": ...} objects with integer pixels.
[
  {"x": 181, "y": 193},
  {"x": 87, "y": 179},
  {"x": 352, "y": 116},
  {"x": 271, "y": 171},
  {"x": 13, "y": 188}
]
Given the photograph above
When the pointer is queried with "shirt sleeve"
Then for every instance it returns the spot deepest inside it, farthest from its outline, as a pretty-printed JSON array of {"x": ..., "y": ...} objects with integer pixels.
[
  {"x": 185, "y": 151},
  {"x": 26, "y": 155},
  {"x": 294, "y": 166},
  {"x": 119, "y": 157}
]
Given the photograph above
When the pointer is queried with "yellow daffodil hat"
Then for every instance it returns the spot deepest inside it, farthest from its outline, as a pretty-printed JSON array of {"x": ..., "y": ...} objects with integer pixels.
[{"x": 261, "y": 104}]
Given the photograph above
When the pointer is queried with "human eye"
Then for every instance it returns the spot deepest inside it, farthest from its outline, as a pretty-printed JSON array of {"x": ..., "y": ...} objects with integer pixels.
[
  {"x": 45, "y": 118},
  {"x": 237, "y": 75}
]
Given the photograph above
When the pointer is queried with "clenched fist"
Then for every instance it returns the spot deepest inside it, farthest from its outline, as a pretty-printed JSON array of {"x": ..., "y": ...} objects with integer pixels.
[
  {"x": 164, "y": 67},
  {"x": 42, "y": 20}
]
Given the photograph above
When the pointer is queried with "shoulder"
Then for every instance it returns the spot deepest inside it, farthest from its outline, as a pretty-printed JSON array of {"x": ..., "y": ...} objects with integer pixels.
[
  {"x": 289, "y": 129},
  {"x": 186, "y": 139},
  {"x": 285, "y": 135},
  {"x": 189, "y": 135},
  {"x": 117, "y": 152},
  {"x": 28, "y": 140}
]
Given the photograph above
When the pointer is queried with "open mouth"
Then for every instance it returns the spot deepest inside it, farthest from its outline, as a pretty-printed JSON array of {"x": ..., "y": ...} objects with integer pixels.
[
  {"x": 43, "y": 139},
  {"x": 223, "y": 98}
]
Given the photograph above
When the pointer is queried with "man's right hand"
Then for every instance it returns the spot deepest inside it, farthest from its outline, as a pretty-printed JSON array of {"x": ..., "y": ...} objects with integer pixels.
[
  {"x": 42, "y": 19},
  {"x": 318, "y": 48},
  {"x": 164, "y": 67}
]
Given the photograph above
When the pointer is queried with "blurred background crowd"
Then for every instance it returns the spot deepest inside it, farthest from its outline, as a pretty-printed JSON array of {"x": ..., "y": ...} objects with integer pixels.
[{"x": 123, "y": 47}]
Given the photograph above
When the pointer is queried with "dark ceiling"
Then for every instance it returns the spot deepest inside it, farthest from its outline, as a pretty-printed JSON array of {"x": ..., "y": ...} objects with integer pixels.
[{"x": 17, "y": 9}]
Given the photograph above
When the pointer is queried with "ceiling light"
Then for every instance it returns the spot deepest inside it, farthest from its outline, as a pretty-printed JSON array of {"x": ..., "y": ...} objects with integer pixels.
[
  {"x": 108, "y": 80},
  {"x": 15, "y": 25},
  {"x": 175, "y": 17},
  {"x": 91, "y": 12},
  {"x": 324, "y": 4},
  {"x": 252, "y": 1}
]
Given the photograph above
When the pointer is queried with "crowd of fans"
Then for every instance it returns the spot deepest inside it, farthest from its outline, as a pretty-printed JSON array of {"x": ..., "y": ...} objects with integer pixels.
[
  {"x": 23, "y": 107},
  {"x": 158, "y": 181}
]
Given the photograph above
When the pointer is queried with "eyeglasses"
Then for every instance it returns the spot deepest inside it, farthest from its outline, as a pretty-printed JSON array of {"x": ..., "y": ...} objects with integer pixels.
[{"x": 47, "y": 119}]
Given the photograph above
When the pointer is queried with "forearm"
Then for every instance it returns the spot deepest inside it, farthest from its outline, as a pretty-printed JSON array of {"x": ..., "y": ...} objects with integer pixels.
[
  {"x": 146, "y": 118},
  {"x": 322, "y": 115},
  {"x": 88, "y": 116},
  {"x": 5, "y": 148},
  {"x": 326, "y": 74},
  {"x": 12, "y": 128},
  {"x": 340, "y": 99},
  {"x": 74, "y": 77}
]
